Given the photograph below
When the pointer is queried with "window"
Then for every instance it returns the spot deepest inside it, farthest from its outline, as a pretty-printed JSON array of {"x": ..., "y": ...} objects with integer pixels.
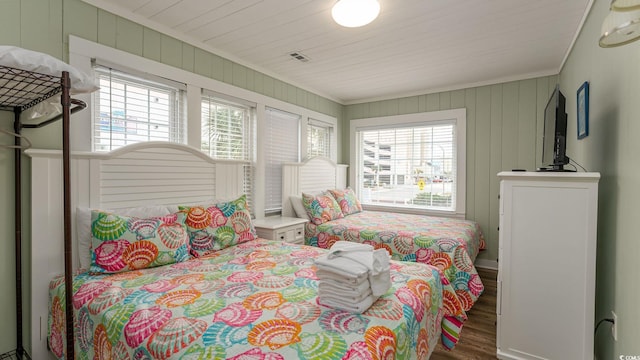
[
  {"x": 282, "y": 145},
  {"x": 318, "y": 138},
  {"x": 131, "y": 109},
  {"x": 226, "y": 129},
  {"x": 412, "y": 161},
  {"x": 227, "y": 133}
]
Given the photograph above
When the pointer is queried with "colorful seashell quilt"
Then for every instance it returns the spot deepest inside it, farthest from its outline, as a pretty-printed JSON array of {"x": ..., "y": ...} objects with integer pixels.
[
  {"x": 449, "y": 244},
  {"x": 255, "y": 300}
]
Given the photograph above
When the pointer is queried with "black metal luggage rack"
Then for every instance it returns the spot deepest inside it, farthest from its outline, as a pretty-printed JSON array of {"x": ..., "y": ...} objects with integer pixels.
[{"x": 21, "y": 90}]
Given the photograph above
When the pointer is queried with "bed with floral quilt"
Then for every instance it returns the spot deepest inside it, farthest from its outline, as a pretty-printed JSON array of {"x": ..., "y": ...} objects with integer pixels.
[
  {"x": 447, "y": 243},
  {"x": 316, "y": 190},
  {"x": 198, "y": 284},
  {"x": 256, "y": 299}
]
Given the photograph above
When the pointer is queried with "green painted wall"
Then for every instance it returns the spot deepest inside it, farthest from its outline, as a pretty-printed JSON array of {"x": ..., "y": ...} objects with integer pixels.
[
  {"x": 503, "y": 123},
  {"x": 611, "y": 149},
  {"x": 45, "y": 25}
]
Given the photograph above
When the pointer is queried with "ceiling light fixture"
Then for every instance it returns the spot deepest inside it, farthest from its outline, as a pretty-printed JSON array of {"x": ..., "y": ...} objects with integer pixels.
[
  {"x": 625, "y": 5},
  {"x": 355, "y": 13},
  {"x": 622, "y": 24}
]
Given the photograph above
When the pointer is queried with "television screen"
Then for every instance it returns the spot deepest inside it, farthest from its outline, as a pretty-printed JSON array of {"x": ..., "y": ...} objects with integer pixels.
[{"x": 555, "y": 133}]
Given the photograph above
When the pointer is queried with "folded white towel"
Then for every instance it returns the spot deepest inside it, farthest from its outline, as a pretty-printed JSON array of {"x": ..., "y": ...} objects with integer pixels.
[
  {"x": 325, "y": 290},
  {"x": 344, "y": 285},
  {"x": 345, "y": 256},
  {"x": 338, "y": 303},
  {"x": 342, "y": 266},
  {"x": 381, "y": 278},
  {"x": 375, "y": 261},
  {"x": 329, "y": 273}
]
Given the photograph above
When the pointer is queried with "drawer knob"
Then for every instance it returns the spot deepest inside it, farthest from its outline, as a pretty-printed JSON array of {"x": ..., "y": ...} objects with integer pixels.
[{"x": 282, "y": 237}]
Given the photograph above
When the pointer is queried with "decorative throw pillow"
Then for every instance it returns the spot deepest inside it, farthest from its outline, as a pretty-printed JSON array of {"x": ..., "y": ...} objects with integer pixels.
[
  {"x": 122, "y": 243},
  {"x": 349, "y": 203},
  {"x": 83, "y": 225},
  {"x": 321, "y": 208},
  {"x": 215, "y": 227},
  {"x": 298, "y": 208}
]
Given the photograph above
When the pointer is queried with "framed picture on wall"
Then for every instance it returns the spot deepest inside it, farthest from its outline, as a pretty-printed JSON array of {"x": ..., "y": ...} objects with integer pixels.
[{"x": 583, "y": 110}]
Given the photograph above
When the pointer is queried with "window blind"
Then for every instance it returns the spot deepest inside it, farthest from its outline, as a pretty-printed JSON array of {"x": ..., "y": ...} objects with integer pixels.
[
  {"x": 408, "y": 166},
  {"x": 225, "y": 129},
  {"x": 282, "y": 145},
  {"x": 227, "y": 133},
  {"x": 318, "y": 138},
  {"x": 131, "y": 109}
]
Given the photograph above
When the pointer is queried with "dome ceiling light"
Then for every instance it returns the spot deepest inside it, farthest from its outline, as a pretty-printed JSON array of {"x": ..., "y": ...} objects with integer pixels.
[{"x": 355, "y": 13}]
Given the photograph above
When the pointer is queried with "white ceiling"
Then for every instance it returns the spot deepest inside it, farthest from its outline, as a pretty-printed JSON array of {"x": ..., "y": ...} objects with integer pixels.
[{"x": 413, "y": 47}]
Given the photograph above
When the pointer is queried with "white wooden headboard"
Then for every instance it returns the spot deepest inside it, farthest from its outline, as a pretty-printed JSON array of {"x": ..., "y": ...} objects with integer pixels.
[
  {"x": 154, "y": 173},
  {"x": 312, "y": 176}
]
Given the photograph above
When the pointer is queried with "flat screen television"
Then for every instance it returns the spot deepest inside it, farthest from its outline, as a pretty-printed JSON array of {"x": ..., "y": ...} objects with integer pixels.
[{"x": 554, "y": 135}]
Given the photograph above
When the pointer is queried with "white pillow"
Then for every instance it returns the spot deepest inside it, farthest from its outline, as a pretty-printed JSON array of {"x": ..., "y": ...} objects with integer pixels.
[
  {"x": 83, "y": 226},
  {"x": 19, "y": 58},
  {"x": 298, "y": 207}
]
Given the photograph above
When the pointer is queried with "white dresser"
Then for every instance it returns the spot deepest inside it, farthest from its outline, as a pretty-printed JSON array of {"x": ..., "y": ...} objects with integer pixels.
[
  {"x": 283, "y": 228},
  {"x": 546, "y": 265}
]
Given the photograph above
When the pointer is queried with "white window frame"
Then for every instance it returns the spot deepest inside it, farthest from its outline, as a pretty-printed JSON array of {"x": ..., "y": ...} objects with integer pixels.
[
  {"x": 248, "y": 122},
  {"x": 82, "y": 51},
  {"x": 330, "y": 132},
  {"x": 274, "y": 207},
  {"x": 458, "y": 116},
  {"x": 177, "y": 122}
]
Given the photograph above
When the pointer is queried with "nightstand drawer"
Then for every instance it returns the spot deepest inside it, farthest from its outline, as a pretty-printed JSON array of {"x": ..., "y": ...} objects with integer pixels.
[
  {"x": 294, "y": 234},
  {"x": 281, "y": 228}
]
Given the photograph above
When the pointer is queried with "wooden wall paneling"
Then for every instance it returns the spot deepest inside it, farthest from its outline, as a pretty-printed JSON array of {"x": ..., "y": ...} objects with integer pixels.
[
  {"x": 292, "y": 94},
  {"x": 510, "y": 125},
  {"x": 457, "y": 99},
  {"x": 268, "y": 86},
  {"x": 445, "y": 100},
  {"x": 374, "y": 109},
  {"x": 408, "y": 105},
  {"x": 107, "y": 28},
  {"x": 217, "y": 67},
  {"x": 10, "y": 20},
  {"x": 422, "y": 103},
  {"x": 129, "y": 36},
  {"x": 470, "y": 104},
  {"x": 188, "y": 57},
  {"x": 239, "y": 76},
  {"x": 433, "y": 102},
  {"x": 80, "y": 18},
  {"x": 301, "y": 97},
  {"x": 258, "y": 82},
  {"x": 151, "y": 44},
  {"x": 44, "y": 34},
  {"x": 277, "y": 89},
  {"x": 542, "y": 95},
  {"x": 527, "y": 125},
  {"x": 491, "y": 233},
  {"x": 202, "y": 62},
  {"x": 170, "y": 51},
  {"x": 483, "y": 176}
]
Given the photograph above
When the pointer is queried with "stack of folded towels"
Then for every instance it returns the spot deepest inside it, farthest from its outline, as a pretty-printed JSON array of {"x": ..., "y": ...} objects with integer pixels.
[{"x": 352, "y": 276}]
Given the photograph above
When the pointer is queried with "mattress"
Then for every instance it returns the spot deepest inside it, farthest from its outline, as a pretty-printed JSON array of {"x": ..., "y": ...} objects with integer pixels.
[
  {"x": 449, "y": 244},
  {"x": 253, "y": 300}
]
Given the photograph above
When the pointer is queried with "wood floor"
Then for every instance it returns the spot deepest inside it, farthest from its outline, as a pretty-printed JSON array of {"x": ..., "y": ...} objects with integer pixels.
[{"x": 478, "y": 339}]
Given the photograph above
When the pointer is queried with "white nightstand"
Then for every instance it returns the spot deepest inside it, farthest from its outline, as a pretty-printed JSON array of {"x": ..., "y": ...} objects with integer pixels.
[{"x": 287, "y": 229}]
